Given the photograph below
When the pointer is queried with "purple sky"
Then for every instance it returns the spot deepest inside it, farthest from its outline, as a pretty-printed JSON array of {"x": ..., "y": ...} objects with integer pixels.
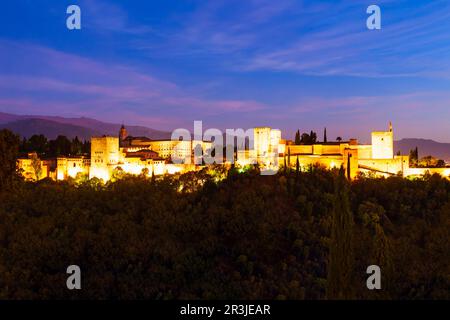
[{"x": 286, "y": 64}]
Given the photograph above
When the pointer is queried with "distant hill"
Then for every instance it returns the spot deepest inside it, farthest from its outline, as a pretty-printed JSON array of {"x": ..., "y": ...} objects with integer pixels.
[
  {"x": 426, "y": 147},
  {"x": 51, "y": 129},
  {"x": 83, "y": 127},
  {"x": 7, "y": 117}
]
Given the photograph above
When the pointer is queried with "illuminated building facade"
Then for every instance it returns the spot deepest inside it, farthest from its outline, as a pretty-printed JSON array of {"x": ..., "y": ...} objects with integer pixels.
[
  {"x": 143, "y": 156},
  {"x": 377, "y": 159}
]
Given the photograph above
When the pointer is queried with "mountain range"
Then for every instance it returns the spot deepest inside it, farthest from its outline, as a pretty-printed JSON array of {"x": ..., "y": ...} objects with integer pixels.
[
  {"x": 425, "y": 147},
  {"x": 85, "y": 128}
]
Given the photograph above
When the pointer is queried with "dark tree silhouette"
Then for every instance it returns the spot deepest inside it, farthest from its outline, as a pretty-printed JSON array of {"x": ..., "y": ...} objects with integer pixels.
[
  {"x": 341, "y": 260},
  {"x": 297, "y": 140},
  {"x": 9, "y": 149}
]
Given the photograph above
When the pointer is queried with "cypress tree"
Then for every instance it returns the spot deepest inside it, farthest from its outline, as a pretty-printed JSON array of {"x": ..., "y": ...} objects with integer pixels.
[
  {"x": 9, "y": 150},
  {"x": 383, "y": 258},
  {"x": 297, "y": 176},
  {"x": 380, "y": 249},
  {"x": 325, "y": 135},
  {"x": 153, "y": 175},
  {"x": 297, "y": 137},
  {"x": 341, "y": 255},
  {"x": 348, "y": 167},
  {"x": 288, "y": 176},
  {"x": 289, "y": 157}
]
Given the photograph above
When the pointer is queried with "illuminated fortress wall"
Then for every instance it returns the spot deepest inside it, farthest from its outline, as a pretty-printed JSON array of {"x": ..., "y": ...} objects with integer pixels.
[
  {"x": 261, "y": 141},
  {"x": 178, "y": 149},
  {"x": 144, "y": 156},
  {"x": 396, "y": 165},
  {"x": 28, "y": 167},
  {"x": 72, "y": 167},
  {"x": 104, "y": 156},
  {"x": 305, "y": 161},
  {"x": 165, "y": 148},
  {"x": 275, "y": 138},
  {"x": 445, "y": 172},
  {"x": 267, "y": 145},
  {"x": 377, "y": 158},
  {"x": 383, "y": 144},
  {"x": 364, "y": 151}
]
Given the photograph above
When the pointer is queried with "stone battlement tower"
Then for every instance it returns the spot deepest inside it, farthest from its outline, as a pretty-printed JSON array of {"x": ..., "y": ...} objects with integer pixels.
[
  {"x": 383, "y": 144},
  {"x": 104, "y": 156},
  {"x": 123, "y": 134}
]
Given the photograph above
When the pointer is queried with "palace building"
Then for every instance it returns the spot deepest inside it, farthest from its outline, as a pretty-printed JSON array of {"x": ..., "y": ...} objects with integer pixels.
[
  {"x": 144, "y": 156},
  {"x": 377, "y": 158}
]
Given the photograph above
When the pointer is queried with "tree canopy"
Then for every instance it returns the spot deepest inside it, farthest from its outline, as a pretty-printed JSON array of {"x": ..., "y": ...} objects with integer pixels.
[
  {"x": 242, "y": 236},
  {"x": 223, "y": 234}
]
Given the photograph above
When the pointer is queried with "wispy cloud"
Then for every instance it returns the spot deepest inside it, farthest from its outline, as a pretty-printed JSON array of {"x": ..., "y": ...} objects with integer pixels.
[
  {"x": 102, "y": 16},
  {"x": 318, "y": 38},
  {"x": 223, "y": 26},
  {"x": 417, "y": 114},
  {"x": 235, "y": 63},
  {"x": 404, "y": 47},
  {"x": 75, "y": 85}
]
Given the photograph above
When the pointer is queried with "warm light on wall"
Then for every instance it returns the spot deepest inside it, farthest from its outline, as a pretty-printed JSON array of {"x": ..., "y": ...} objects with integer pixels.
[
  {"x": 73, "y": 171},
  {"x": 106, "y": 155},
  {"x": 172, "y": 169},
  {"x": 133, "y": 168},
  {"x": 60, "y": 175},
  {"x": 100, "y": 173}
]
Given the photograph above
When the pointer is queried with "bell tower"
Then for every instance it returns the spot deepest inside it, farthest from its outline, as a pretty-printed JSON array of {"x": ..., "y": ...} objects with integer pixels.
[
  {"x": 383, "y": 144},
  {"x": 123, "y": 134}
]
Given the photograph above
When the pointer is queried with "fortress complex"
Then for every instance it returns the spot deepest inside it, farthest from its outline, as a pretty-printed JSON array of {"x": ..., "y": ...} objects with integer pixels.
[
  {"x": 141, "y": 155},
  {"x": 378, "y": 157}
]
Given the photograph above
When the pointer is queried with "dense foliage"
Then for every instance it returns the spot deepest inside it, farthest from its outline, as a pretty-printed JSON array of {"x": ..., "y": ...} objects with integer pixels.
[
  {"x": 226, "y": 234},
  {"x": 425, "y": 162},
  {"x": 61, "y": 146},
  {"x": 305, "y": 138}
]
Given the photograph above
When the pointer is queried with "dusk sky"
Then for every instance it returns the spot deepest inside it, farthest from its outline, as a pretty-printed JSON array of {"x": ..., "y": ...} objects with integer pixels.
[{"x": 233, "y": 64}]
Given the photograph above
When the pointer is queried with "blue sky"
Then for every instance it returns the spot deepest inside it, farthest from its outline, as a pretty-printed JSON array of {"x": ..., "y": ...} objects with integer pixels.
[{"x": 288, "y": 64}]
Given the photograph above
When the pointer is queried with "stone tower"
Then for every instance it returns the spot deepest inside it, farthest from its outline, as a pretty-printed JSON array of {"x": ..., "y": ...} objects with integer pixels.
[
  {"x": 123, "y": 134},
  {"x": 383, "y": 144},
  {"x": 104, "y": 156},
  {"x": 261, "y": 141}
]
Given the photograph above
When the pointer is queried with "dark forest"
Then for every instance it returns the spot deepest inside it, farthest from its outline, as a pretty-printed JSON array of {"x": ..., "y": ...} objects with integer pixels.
[{"x": 223, "y": 234}]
